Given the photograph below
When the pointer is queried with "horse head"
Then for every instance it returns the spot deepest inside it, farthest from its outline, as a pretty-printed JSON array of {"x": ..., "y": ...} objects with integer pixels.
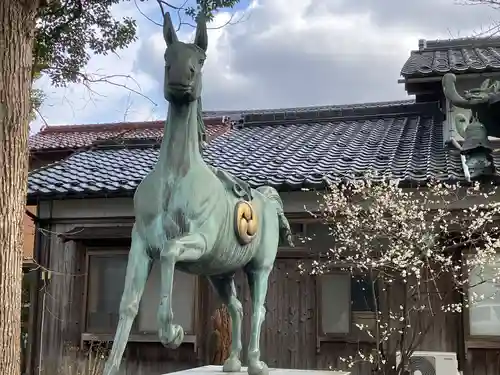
[{"x": 184, "y": 63}]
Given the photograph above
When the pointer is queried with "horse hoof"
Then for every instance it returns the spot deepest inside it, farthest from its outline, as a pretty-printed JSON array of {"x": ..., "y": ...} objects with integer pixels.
[
  {"x": 232, "y": 364},
  {"x": 174, "y": 340},
  {"x": 258, "y": 368}
]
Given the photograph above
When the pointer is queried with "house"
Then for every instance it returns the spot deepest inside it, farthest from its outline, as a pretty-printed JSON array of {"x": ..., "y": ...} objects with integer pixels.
[{"x": 84, "y": 217}]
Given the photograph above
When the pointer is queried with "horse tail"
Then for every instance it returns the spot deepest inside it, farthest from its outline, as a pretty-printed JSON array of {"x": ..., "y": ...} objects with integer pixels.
[{"x": 285, "y": 230}]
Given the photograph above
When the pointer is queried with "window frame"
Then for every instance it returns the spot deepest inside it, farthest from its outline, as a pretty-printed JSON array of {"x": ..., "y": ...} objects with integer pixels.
[
  {"x": 285, "y": 251},
  {"x": 89, "y": 336},
  {"x": 302, "y": 250},
  {"x": 475, "y": 341},
  {"x": 354, "y": 335},
  {"x": 319, "y": 295}
]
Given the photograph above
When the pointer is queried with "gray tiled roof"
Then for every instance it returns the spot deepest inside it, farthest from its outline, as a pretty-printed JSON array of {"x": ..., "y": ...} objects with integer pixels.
[
  {"x": 403, "y": 140},
  {"x": 70, "y": 137},
  {"x": 466, "y": 55}
]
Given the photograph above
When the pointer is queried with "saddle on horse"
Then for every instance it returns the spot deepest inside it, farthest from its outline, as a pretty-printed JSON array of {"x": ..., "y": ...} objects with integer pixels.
[{"x": 239, "y": 188}]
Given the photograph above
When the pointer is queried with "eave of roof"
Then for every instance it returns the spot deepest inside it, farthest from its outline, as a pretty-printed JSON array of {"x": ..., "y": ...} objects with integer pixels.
[
  {"x": 402, "y": 140},
  {"x": 459, "y": 56},
  {"x": 73, "y": 137}
]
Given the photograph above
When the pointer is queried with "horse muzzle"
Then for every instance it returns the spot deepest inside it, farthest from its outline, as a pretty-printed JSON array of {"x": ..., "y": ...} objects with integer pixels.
[{"x": 179, "y": 93}]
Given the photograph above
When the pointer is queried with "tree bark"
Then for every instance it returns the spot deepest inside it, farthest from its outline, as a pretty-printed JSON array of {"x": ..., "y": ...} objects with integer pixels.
[
  {"x": 17, "y": 23},
  {"x": 220, "y": 343}
]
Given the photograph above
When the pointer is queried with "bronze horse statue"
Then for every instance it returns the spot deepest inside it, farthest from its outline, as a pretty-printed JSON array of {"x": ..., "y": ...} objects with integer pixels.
[{"x": 198, "y": 219}]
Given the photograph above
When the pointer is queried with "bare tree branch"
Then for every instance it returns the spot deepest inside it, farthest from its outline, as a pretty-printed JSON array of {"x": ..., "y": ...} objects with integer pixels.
[
  {"x": 182, "y": 8},
  {"x": 491, "y": 30},
  {"x": 87, "y": 79},
  {"x": 148, "y": 18}
]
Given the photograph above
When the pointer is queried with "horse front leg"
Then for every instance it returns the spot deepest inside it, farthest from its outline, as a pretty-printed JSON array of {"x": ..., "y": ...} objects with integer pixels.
[
  {"x": 138, "y": 268},
  {"x": 185, "y": 249},
  {"x": 225, "y": 288},
  {"x": 257, "y": 281}
]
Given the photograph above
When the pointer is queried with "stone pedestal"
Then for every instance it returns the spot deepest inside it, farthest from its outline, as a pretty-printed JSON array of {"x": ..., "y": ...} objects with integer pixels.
[{"x": 217, "y": 370}]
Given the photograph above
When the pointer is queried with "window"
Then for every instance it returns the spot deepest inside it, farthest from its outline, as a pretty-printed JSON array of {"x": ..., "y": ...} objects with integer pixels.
[
  {"x": 309, "y": 234},
  {"x": 345, "y": 300},
  {"x": 484, "y": 312},
  {"x": 106, "y": 276},
  {"x": 362, "y": 292},
  {"x": 336, "y": 300},
  {"x": 298, "y": 232}
]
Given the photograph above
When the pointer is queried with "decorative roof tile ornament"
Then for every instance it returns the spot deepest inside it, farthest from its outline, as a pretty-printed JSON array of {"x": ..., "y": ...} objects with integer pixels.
[
  {"x": 198, "y": 219},
  {"x": 484, "y": 121}
]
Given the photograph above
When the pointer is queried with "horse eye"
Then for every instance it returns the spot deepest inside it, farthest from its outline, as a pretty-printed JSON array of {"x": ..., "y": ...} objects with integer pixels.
[{"x": 201, "y": 61}]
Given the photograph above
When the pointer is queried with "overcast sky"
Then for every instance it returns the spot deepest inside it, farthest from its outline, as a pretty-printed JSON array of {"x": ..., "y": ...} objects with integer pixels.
[{"x": 283, "y": 53}]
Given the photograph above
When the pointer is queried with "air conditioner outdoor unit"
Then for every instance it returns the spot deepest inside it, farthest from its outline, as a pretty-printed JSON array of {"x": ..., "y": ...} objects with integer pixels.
[{"x": 431, "y": 363}]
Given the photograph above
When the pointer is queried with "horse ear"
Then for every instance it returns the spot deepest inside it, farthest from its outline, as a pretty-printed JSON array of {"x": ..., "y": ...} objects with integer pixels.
[
  {"x": 201, "y": 38},
  {"x": 168, "y": 30}
]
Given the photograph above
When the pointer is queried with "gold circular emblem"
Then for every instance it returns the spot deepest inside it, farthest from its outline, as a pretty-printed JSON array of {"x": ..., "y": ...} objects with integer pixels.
[{"x": 246, "y": 223}]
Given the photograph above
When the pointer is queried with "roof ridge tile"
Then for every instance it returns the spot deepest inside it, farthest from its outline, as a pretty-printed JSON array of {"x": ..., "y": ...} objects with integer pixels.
[{"x": 338, "y": 113}]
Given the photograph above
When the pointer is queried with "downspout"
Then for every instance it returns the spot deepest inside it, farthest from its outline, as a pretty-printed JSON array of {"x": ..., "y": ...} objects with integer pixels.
[
  {"x": 40, "y": 342},
  {"x": 461, "y": 350},
  {"x": 461, "y": 345},
  {"x": 40, "y": 273},
  {"x": 30, "y": 366},
  {"x": 465, "y": 167}
]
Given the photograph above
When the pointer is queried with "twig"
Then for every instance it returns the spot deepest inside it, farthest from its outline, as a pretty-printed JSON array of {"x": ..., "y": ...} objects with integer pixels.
[
  {"x": 161, "y": 8},
  {"x": 180, "y": 16},
  {"x": 45, "y": 123},
  {"x": 90, "y": 78},
  {"x": 145, "y": 15},
  {"x": 217, "y": 27},
  {"x": 128, "y": 106}
]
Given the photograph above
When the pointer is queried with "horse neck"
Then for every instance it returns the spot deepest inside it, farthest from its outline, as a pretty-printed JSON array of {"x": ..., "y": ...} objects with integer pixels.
[{"x": 180, "y": 147}]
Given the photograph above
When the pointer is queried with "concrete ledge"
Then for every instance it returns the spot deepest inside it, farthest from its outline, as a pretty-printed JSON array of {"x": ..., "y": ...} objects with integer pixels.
[{"x": 217, "y": 370}]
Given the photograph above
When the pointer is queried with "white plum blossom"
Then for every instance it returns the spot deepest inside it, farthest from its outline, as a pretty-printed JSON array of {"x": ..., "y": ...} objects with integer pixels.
[{"x": 417, "y": 245}]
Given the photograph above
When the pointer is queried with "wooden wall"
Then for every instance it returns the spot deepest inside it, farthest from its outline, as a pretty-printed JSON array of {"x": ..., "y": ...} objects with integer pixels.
[
  {"x": 61, "y": 325},
  {"x": 61, "y": 301},
  {"x": 288, "y": 333},
  {"x": 484, "y": 361}
]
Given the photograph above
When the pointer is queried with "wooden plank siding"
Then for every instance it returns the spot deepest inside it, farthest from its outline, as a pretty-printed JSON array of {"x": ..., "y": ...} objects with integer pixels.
[
  {"x": 289, "y": 333},
  {"x": 483, "y": 361},
  {"x": 62, "y": 298}
]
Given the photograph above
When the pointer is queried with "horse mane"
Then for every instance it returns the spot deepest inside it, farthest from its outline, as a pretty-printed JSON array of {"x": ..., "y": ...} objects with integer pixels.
[{"x": 201, "y": 123}]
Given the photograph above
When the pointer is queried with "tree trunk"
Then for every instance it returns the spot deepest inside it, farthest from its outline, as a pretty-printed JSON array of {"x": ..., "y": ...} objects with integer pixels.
[
  {"x": 17, "y": 22},
  {"x": 220, "y": 344}
]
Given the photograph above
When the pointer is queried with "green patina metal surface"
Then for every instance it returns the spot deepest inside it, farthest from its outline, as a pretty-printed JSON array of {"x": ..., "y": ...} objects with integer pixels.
[
  {"x": 198, "y": 219},
  {"x": 484, "y": 121}
]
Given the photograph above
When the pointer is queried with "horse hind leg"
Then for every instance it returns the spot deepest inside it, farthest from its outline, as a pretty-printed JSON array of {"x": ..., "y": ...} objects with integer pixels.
[
  {"x": 257, "y": 280},
  {"x": 225, "y": 288},
  {"x": 138, "y": 268}
]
